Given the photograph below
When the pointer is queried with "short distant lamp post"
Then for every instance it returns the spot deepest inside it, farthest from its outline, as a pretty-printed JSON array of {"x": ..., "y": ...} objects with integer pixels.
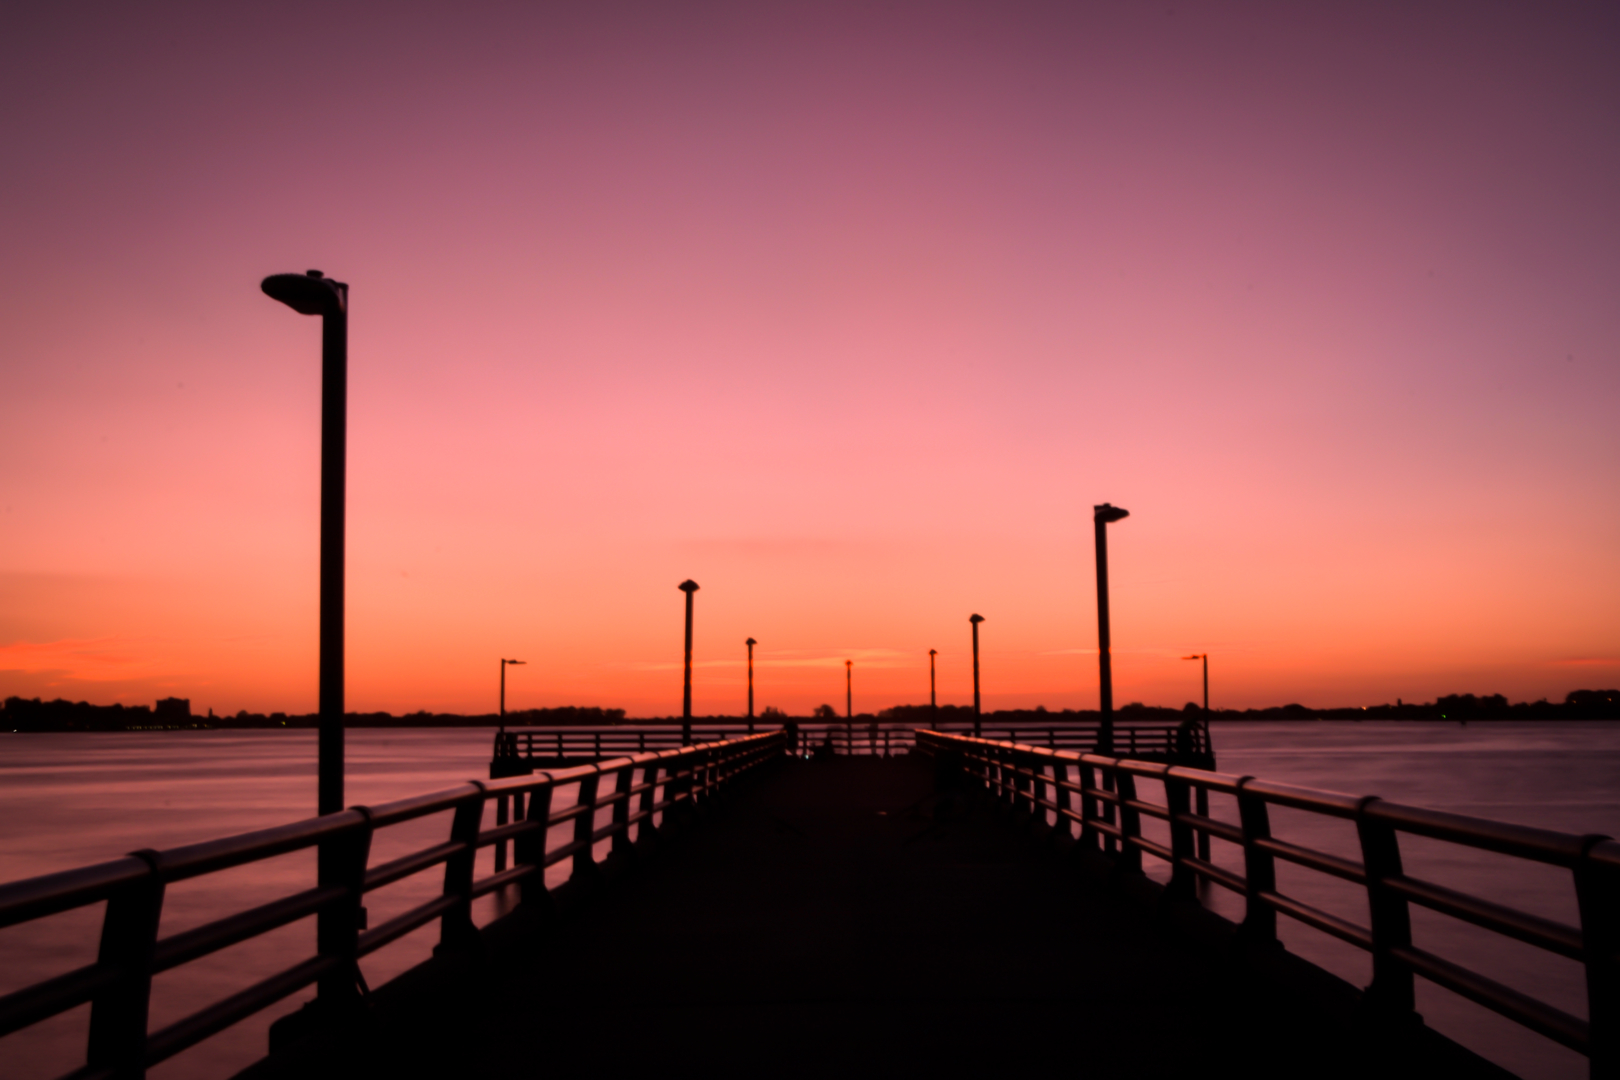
[
  {"x": 505, "y": 663},
  {"x": 1204, "y": 656},
  {"x": 1101, "y": 517},
  {"x": 933, "y": 696},
  {"x": 314, "y": 293},
  {"x": 849, "y": 705},
  {"x": 501, "y": 807},
  {"x": 688, "y": 587},
  {"x": 750, "y": 643},
  {"x": 976, "y": 620},
  {"x": 1201, "y": 796}
]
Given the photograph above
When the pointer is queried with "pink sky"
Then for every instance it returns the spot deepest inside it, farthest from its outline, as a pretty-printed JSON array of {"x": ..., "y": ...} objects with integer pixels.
[{"x": 850, "y": 313}]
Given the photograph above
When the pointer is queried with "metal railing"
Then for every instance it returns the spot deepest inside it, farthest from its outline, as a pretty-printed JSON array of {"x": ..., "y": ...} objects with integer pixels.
[
  {"x": 594, "y": 743},
  {"x": 1098, "y": 795},
  {"x": 1185, "y": 743},
  {"x": 1181, "y": 744},
  {"x": 118, "y": 984},
  {"x": 858, "y": 739}
]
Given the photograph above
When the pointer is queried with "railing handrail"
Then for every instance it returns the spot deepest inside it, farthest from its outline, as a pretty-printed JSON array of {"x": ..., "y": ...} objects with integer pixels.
[
  {"x": 1109, "y": 818},
  {"x": 118, "y": 984}
]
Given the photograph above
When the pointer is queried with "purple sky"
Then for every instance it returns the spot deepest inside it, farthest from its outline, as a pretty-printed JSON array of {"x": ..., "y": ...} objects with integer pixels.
[{"x": 849, "y": 312}]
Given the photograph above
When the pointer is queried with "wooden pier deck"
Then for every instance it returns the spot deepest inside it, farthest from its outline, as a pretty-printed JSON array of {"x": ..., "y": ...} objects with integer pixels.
[{"x": 833, "y": 918}]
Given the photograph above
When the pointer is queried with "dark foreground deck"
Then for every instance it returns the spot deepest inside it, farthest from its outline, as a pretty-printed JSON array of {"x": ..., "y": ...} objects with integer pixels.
[{"x": 834, "y": 918}]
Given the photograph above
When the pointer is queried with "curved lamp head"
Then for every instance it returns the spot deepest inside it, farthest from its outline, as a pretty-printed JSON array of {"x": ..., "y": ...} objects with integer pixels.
[
  {"x": 688, "y": 586},
  {"x": 308, "y": 294},
  {"x": 514, "y": 661},
  {"x": 750, "y": 643},
  {"x": 1108, "y": 514},
  {"x": 933, "y": 652},
  {"x": 975, "y": 619},
  {"x": 1194, "y": 656}
]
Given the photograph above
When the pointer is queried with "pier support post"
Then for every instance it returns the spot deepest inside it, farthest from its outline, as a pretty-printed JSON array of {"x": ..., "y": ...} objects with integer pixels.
[
  {"x": 1259, "y": 869},
  {"x": 1392, "y": 992},
  {"x": 118, "y": 1014},
  {"x": 1597, "y": 888},
  {"x": 1178, "y": 800}
]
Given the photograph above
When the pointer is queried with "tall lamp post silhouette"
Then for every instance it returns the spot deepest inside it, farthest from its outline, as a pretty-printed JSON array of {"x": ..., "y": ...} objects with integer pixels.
[
  {"x": 975, "y": 620},
  {"x": 314, "y": 293},
  {"x": 933, "y": 697},
  {"x": 750, "y": 643},
  {"x": 505, "y": 663},
  {"x": 1101, "y": 516},
  {"x": 1204, "y": 656},
  {"x": 688, "y": 587}
]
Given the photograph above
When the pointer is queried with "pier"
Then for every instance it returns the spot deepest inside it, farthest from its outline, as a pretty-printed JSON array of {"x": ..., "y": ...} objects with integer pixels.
[{"x": 961, "y": 904}]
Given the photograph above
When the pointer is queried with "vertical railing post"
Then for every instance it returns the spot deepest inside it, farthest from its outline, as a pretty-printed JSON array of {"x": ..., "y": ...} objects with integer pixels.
[
  {"x": 500, "y": 819},
  {"x": 1022, "y": 761},
  {"x": 1391, "y": 992},
  {"x": 683, "y": 779},
  {"x": 1178, "y": 800},
  {"x": 1040, "y": 788},
  {"x": 1597, "y": 888},
  {"x": 1060, "y": 795},
  {"x": 118, "y": 1014},
  {"x": 584, "y": 828},
  {"x": 1130, "y": 825},
  {"x": 711, "y": 773},
  {"x": 341, "y": 861},
  {"x": 1088, "y": 808},
  {"x": 529, "y": 849},
  {"x": 1259, "y": 868},
  {"x": 646, "y": 830},
  {"x": 1201, "y": 795},
  {"x": 1105, "y": 808},
  {"x": 456, "y": 930},
  {"x": 621, "y": 809}
]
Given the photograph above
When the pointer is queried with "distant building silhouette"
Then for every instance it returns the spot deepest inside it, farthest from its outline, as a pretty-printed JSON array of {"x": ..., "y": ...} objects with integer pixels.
[{"x": 172, "y": 710}]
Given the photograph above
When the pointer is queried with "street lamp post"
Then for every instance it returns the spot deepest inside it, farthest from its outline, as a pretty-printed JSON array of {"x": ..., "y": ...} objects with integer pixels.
[
  {"x": 688, "y": 587},
  {"x": 1204, "y": 656},
  {"x": 314, "y": 293},
  {"x": 1201, "y": 794},
  {"x": 849, "y": 706},
  {"x": 933, "y": 696},
  {"x": 976, "y": 620},
  {"x": 501, "y": 807},
  {"x": 750, "y": 643},
  {"x": 505, "y": 663},
  {"x": 1101, "y": 517}
]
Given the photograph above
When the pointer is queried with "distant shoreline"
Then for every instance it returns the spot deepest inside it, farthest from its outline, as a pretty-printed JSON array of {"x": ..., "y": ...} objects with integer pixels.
[{"x": 174, "y": 714}]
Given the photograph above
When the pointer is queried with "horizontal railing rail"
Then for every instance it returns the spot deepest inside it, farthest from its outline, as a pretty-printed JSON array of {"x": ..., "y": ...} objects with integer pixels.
[
  {"x": 117, "y": 986},
  {"x": 1096, "y": 795}
]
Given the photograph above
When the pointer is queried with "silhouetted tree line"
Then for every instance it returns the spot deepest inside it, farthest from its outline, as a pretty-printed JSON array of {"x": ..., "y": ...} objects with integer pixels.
[
  {"x": 1459, "y": 708},
  {"x": 32, "y": 714}
]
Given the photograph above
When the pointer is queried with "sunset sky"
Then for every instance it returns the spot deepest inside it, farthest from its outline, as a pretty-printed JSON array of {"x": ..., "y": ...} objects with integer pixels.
[{"x": 850, "y": 312}]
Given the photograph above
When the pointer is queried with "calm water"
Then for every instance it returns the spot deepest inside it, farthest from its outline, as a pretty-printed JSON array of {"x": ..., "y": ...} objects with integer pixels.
[{"x": 68, "y": 800}]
